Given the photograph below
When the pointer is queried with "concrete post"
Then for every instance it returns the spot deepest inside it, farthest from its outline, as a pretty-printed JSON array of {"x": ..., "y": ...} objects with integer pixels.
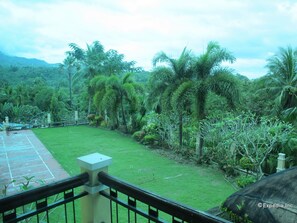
[
  {"x": 281, "y": 162},
  {"x": 6, "y": 120},
  {"x": 6, "y": 125},
  {"x": 94, "y": 207},
  {"x": 76, "y": 117},
  {"x": 49, "y": 119}
]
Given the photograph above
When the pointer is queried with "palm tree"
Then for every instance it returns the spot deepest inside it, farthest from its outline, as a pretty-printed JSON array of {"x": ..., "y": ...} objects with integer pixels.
[
  {"x": 89, "y": 62},
  {"x": 94, "y": 59},
  {"x": 283, "y": 82},
  {"x": 118, "y": 96},
  {"x": 69, "y": 64},
  {"x": 165, "y": 82},
  {"x": 209, "y": 75}
]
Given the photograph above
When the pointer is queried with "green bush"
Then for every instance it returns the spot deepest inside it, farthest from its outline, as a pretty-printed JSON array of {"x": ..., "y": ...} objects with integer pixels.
[
  {"x": 229, "y": 169},
  {"x": 244, "y": 181},
  {"x": 104, "y": 124},
  {"x": 91, "y": 117},
  {"x": 270, "y": 164},
  {"x": 150, "y": 129},
  {"x": 246, "y": 163},
  {"x": 150, "y": 140},
  {"x": 98, "y": 119},
  {"x": 245, "y": 135},
  {"x": 138, "y": 135}
]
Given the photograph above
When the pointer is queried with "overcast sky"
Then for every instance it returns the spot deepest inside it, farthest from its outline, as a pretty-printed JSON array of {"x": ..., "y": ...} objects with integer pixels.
[{"x": 252, "y": 30}]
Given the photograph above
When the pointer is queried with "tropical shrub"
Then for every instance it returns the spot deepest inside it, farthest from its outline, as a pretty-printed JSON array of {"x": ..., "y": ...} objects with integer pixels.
[
  {"x": 91, "y": 117},
  {"x": 138, "y": 135},
  {"x": 246, "y": 163},
  {"x": 151, "y": 140},
  {"x": 20, "y": 114},
  {"x": 244, "y": 181},
  {"x": 245, "y": 136},
  {"x": 99, "y": 119}
]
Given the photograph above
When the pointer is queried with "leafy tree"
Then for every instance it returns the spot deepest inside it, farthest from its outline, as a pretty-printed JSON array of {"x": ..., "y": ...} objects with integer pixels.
[
  {"x": 57, "y": 106},
  {"x": 283, "y": 81},
  {"x": 7, "y": 94},
  {"x": 43, "y": 98},
  {"x": 208, "y": 76},
  {"x": 26, "y": 113},
  {"x": 256, "y": 98},
  {"x": 114, "y": 63},
  {"x": 21, "y": 95},
  {"x": 6, "y": 109},
  {"x": 169, "y": 84}
]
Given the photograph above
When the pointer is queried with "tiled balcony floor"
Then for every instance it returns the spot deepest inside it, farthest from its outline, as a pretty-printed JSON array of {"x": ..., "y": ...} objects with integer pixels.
[{"x": 23, "y": 155}]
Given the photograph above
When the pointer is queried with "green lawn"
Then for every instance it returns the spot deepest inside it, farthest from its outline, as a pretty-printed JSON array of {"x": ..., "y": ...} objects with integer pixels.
[{"x": 199, "y": 187}]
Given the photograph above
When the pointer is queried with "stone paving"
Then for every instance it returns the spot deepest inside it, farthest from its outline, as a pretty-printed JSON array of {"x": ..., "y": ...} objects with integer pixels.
[{"x": 23, "y": 155}]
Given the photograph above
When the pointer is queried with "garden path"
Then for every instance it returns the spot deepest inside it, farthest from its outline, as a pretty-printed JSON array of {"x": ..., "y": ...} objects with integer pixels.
[{"x": 23, "y": 155}]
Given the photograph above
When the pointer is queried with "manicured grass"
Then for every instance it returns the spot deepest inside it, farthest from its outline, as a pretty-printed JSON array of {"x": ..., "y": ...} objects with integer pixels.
[{"x": 199, "y": 187}]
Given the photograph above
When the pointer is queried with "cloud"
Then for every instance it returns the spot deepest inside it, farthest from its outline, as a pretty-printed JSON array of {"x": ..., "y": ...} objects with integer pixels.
[{"x": 139, "y": 29}]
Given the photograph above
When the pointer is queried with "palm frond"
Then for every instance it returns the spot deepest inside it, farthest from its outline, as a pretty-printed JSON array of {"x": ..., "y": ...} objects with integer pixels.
[
  {"x": 224, "y": 84},
  {"x": 283, "y": 72},
  {"x": 290, "y": 114},
  {"x": 161, "y": 77},
  {"x": 77, "y": 52},
  {"x": 127, "y": 78},
  {"x": 129, "y": 91},
  {"x": 114, "y": 82},
  {"x": 206, "y": 63},
  {"x": 166, "y": 97},
  {"x": 181, "y": 67},
  {"x": 110, "y": 101},
  {"x": 182, "y": 96},
  {"x": 97, "y": 47},
  {"x": 160, "y": 58},
  {"x": 98, "y": 99},
  {"x": 131, "y": 96}
]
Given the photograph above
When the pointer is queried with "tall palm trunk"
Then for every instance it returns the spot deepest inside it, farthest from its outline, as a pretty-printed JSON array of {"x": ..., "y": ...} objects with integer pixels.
[
  {"x": 124, "y": 116},
  {"x": 199, "y": 144},
  {"x": 180, "y": 130},
  {"x": 201, "y": 101},
  {"x": 70, "y": 87}
]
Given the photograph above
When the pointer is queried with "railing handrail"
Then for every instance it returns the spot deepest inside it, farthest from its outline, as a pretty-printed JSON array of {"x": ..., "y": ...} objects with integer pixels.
[
  {"x": 17, "y": 200},
  {"x": 175, "y": 209}
]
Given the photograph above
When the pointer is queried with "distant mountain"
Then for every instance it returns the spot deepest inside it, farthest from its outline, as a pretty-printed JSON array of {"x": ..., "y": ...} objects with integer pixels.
[{"x": 6, "y": 60}]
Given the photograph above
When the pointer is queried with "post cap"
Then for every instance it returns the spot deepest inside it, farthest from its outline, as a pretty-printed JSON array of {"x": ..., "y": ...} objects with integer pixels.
[
  {"x": 281, "y": 156},
  {"x": 94, "y": 161}
]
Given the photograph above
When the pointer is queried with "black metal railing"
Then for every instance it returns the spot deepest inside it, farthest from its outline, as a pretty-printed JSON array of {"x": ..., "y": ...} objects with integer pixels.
[
  {"x": 50, "y": 203},
  {"x": 129, "y": 203}
]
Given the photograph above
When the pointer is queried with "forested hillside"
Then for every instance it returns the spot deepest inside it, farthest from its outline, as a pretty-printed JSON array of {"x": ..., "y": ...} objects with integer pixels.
[
  {"x": 6, "y": 60},
  {"x": 14, "y": 75},
  {"x": 19, "y": 70}
]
